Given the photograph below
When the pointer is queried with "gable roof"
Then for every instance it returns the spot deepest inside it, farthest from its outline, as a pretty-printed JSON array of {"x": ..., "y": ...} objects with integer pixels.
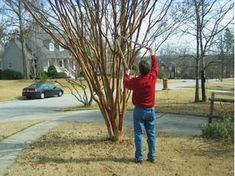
[
  {"x": 1, "y": 52},
  {"x": 38, "y": 45}
]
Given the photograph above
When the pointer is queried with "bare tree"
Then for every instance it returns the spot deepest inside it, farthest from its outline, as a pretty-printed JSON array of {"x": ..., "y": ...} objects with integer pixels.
[
  {"x": 82, "y": 96},
  {"x": 15, "y": 7},
  {"x": 1, "y": 32},
  {"x": 89, "y": 29},
  {"x": 16, "y": 16},
  {"x": 211, "y": 17}
]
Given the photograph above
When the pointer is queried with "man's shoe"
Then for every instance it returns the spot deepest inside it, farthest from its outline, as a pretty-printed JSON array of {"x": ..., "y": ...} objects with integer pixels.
[
  {"x": 151, "y": 160},
  {"x": 138, "y": 161}
]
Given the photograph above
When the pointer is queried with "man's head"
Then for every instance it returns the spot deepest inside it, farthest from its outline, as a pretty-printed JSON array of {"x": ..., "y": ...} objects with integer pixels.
[{"x": 144, "y": 67}]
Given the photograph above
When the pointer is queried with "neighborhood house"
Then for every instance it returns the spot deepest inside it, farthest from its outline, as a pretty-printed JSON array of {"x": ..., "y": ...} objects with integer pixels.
[{"x": 40, "y": 53}]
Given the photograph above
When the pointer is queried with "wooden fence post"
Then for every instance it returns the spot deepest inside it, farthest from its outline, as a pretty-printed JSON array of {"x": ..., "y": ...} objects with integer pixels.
[{"x": 211, "y": 106}]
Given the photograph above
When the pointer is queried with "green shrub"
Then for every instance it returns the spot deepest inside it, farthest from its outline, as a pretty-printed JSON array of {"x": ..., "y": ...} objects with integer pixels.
[
  {"x": 163, "y": 74},
  {"x": 61, "y": 75},
  {"x": 52, "y": 72},
  {"x": 220, "y": 130},
  {"x": 43, "y": 77},
  {"x": 11, "y": 75}
]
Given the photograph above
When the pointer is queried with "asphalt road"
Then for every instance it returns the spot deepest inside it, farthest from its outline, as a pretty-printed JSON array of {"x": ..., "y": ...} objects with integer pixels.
[
  {"x": 45, "y": 109},
  {"x": 16, "y": 108}
]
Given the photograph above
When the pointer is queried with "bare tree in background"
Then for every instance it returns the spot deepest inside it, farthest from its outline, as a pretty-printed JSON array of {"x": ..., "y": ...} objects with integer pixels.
[
  {"x": 86, "y": 29},
  {"x": 17, "y": 17},
  {"x": 15, "y": 7},
  {"x": 211, "y": 17},
  {"x": 2, "y": 28}
]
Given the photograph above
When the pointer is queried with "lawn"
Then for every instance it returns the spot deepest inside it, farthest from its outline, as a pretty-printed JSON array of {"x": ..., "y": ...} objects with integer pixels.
[
  {"x": 83, "y": 149},
  {"x": 12, "y": 89},
  {"x": 181, "y": 101},
  {"x": 168, "y": 101},
  {"x": 10, "y": 128}
]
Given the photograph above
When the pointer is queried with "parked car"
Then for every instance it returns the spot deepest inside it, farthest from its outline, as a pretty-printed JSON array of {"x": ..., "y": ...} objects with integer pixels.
[{"x": 42, "y": 90}]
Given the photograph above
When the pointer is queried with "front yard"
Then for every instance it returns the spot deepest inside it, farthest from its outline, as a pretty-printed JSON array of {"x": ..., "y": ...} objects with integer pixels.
[{"x": 82, "y": 149}]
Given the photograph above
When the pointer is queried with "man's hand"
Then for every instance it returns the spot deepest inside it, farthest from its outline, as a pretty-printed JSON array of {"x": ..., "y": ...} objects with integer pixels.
[
  {"x": 150, "y": 51},
  {"x": 127, "y": 72}
]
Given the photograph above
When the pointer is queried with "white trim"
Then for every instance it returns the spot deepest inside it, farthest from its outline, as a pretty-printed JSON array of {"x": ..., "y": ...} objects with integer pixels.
[{"x": 51, "y": 46}]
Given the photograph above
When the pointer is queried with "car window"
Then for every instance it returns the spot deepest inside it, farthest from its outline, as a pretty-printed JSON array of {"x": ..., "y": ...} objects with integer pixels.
[
  {"x": 34, "y": 85},
  {"x": 50, "y": 86},
  {"x": 44, "y": 86}
]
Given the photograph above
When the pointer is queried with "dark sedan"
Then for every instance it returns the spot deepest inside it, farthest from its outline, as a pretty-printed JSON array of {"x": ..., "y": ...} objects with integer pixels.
[{"x": 42, "y": 90}]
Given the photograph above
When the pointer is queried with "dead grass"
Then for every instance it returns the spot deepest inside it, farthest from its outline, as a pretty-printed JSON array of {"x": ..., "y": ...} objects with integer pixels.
[
  {"x": 227, "y": 85},
  {"x": 12, "y": 89},
  {"x": 82, "y": 149},
  {"x": 171, "y": 101},
  {"x": 181, "y": 101},
  {"x": 9, "y": 128}
]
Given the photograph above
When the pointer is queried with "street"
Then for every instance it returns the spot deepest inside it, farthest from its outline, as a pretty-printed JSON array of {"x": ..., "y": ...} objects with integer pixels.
[
  {"x": 16, "y": 108},
  {"x": 45, "y": 109}
]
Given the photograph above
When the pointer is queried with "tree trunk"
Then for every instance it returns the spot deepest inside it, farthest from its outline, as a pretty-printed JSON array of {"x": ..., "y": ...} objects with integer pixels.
[
  {"x": 24, "y": 60},
  {"x": 203, "y": 85},
  {"x": 114, "y": 123},
  {"x": 196, "y": 99}
]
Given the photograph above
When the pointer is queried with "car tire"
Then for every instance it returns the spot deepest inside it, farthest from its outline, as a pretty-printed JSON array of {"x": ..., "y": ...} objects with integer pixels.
[
  {"x": 42, "y": 95},
  {"x": 60, "y": 93}
]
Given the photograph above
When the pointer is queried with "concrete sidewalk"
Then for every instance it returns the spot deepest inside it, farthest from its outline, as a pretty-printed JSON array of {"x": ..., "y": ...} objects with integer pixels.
[{"x": 12, "y": 146}]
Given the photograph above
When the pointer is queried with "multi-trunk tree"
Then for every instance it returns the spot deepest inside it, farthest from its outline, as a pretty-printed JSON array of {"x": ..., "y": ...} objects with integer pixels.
[{"x": 90, "y": 30}]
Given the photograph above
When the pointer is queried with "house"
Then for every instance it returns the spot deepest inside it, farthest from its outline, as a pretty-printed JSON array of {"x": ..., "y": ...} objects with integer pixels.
[
  {"x": 169, "y": 69},
  {"x": 40, "y": 53},
  {"x": 1, "y": 55}
]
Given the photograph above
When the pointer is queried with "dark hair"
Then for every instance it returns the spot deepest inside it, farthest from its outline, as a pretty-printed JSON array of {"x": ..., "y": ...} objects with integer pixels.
[{"x": 144, "y": 67}]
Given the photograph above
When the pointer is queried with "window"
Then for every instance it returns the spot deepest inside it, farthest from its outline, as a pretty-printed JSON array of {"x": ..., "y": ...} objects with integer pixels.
[
  {"x": 9, "y": 65},
  {"x": 60, "y": 63},
  {"x": 61, "y": 48},
  {"x": 51, "y": 46}
]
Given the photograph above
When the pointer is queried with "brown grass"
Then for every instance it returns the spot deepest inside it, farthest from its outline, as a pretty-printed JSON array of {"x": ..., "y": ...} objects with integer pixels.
[
  {"x": 9, "y": 128},
  {"x": 83, "y": 149},
  {"x": 12, "y": 89},
  {"x": 227, "y": 84},
  {"x": 172, "y": 101},
  {"x": 181, "y": 101}
]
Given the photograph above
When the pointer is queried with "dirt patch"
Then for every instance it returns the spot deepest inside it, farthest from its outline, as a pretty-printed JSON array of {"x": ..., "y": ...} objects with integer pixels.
[
  {"x": 83, "y": 149},
  {"x": 9, "y": 128}
]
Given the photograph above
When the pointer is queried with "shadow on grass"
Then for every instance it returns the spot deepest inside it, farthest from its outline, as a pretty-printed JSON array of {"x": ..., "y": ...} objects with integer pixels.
[
  {"x": 63, "y": 142},
  {"x": 88, "y": 160},
  {"x": 103, "y": 152},
  {"x": 211, "y": 149}
]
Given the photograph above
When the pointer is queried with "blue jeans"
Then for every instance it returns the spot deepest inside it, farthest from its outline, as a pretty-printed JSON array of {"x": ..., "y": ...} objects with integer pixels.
[{"x": 144, "y": 120}]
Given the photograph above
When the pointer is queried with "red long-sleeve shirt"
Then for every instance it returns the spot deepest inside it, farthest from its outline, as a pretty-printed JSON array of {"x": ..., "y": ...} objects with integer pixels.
[{"x": 143, "y": 86}]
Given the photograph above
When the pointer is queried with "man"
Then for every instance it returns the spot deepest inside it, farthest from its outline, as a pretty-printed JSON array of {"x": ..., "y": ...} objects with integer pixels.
[{"x": 143, "y": 98}]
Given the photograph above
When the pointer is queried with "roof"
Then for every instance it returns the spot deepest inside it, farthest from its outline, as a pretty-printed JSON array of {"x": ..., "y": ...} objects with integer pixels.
[
  {"x": 38, "y": 45},
  {"x": 1, "y": 52}
]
